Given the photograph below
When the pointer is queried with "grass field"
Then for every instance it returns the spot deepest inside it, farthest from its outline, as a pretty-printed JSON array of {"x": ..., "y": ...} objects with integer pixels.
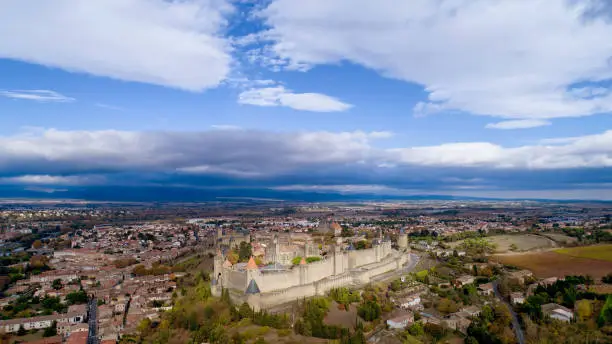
[
  {"x": 549, "y": 264},
  {"x": 523, "y": 242},
  {"x": 560, "y": 238},
  {"x": 599, "y": 252}
]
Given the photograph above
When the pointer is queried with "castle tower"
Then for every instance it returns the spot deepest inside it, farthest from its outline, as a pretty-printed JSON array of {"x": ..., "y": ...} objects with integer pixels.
[
  {"x": 251, "y": 269},
  {"x": 338, "y": 257},
  {"x": 217, "y": 264},
  {"x": 303, "y": 271},
  {"x": 402, "y": 239},
  {"x": 219, "y": 232}
]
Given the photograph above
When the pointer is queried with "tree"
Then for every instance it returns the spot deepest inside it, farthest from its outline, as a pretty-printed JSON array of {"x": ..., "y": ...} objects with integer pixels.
[
  {"x": 245, "y": 311},
  {"x": 22, "y": 331},
  {"x": 245, "y": 251},
  {"x": 296, "y": 260},
  {"x": 346, "y": 232},
  {"x": 584, "y": 308},
  {"x": 51, "y": 330},
  {"x": 416, "y": 329},
  {"x": 57, "y": 284},
  {"x": 37, "y": 244},
  {"x": 513, "y": 247},
  {"x": 369, "y": 310},
  {"x": 233, "y": 257},
  {"x": 77, "y": 297}
]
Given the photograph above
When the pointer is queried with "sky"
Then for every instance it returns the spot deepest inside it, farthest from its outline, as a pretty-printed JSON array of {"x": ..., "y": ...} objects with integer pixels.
[{"x": 482, "y": 98}]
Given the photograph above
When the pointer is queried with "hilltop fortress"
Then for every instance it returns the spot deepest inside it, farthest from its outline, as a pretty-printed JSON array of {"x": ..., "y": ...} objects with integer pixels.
[{"x": 267, "y": 286}]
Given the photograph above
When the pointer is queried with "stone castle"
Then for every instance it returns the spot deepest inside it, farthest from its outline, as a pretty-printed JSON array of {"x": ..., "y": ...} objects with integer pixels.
[{"x": 268, "y": 286}]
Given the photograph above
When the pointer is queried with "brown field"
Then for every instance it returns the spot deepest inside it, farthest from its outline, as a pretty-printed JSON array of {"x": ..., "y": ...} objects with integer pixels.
[
  {"x": 599, "y": 252},
  {"x": 602, "y": 288},
  {"x": 341, "y": 317},
  {"x": 549, "y": 264}
]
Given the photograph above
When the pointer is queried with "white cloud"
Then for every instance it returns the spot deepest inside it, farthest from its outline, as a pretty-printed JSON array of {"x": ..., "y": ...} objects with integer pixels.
[
  {"x": 580, "y": 152},
  {"x": 519, "y": 124},
  {"x": 43, "y": 96},
  {"x": 225, "y": 127},
  {"x": 45, "y": 179},
  {"x": 170, "y": 43},
  {"x": 238, "y": 151},
  {"x": 346, "y": 189},
  {"x": 280, "y": 96},
  {"x": 515, "y": 59},
  {"x": 40, "y": 156},
  {"x": 109, "y": 107}
]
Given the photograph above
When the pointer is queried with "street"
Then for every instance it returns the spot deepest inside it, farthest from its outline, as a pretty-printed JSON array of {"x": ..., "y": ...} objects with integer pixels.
[
  {"x": 93, "y": 321},
  {"x": 515, "y": 323}
]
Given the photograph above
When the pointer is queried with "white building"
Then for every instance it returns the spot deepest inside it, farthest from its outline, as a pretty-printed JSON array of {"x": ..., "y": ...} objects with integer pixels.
[
  {"x": 37, "y": 323},
  {"x": 401, "y": 322}
]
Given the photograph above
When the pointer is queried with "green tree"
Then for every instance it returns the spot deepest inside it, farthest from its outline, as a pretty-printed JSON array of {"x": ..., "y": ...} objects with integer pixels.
[
  {"x": 369, "y": 310},
  {"x": 77, "y": 297},
  {"x": 347, "y": 232},
  {"x": 51, "y": 330},
  {"x": 245, "y": 251},
  {"x": 416, "y": 329},
  {"x": 245, "y": 311},
  {"x": 22, "y": 331},
  {"x": 57, "y": 284},
  {"x": 584, "y": 309}
]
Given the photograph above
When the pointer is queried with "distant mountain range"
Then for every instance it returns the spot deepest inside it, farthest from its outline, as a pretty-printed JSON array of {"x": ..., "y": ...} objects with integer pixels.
[{"x": 180, "y": 194}]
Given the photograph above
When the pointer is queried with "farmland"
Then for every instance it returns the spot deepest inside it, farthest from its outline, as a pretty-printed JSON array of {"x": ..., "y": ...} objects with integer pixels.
[
  {"x": 522, "y": 242},
  {"x": 598, "y": 252},
  {"x": 561, "y": 238},
  {"x": 550, "y": 264}
]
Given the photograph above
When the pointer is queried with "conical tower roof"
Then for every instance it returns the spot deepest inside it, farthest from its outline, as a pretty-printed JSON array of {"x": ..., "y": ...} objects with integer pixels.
[
  {"x": 253, "y": 288},
  {"x": 303, "y": 261},
  {"x": 251, "y": 265},
  {"x": 227, "y": 264}
]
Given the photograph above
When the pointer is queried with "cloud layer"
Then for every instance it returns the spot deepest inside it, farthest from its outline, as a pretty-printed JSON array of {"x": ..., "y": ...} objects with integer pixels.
[
  {"x": 342, "y": 161},
  {"x": 515, "y": 59},
  {"x": 171, "y": 43},
  {"x": 280, "y": 96}
]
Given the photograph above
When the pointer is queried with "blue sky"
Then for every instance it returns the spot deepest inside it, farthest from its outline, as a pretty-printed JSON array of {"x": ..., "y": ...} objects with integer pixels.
[{"x": 475, "y": 98}]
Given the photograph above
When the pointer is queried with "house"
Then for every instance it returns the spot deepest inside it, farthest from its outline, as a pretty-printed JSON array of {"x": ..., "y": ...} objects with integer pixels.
[
  {"x": 555, "y": 311},
  {"x": 78, "y": 338},
  {"x": 464, "y": 280},
  {"x": 410, "y": 301},
  {"x": 471, "y": 311},
  {"x": 485, "y": 289},
  {"x": 458, "y": 321},
  {"x": 37, "y": 323},
  {"x": 520, "y": 275},
  {"x": 427, "y": 318},
  {"x": 65, "y": 328},
  {"x": 401, "y": 322},
  {"x": 517, "y": 298}
]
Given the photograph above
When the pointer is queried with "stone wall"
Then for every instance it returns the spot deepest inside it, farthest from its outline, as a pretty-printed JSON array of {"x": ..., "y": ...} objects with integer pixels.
[{"x": 340, "y": 269}]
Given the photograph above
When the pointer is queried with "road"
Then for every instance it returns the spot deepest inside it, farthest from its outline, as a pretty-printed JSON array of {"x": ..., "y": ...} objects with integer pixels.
[
  {"x": 414, "y": 259},
  {"x": 93, "y": 321},
  {"x": 518, "y": 331}
]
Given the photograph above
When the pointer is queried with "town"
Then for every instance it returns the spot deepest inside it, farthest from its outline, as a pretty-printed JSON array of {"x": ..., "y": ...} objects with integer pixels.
[{"x": 474, "y": 272}]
